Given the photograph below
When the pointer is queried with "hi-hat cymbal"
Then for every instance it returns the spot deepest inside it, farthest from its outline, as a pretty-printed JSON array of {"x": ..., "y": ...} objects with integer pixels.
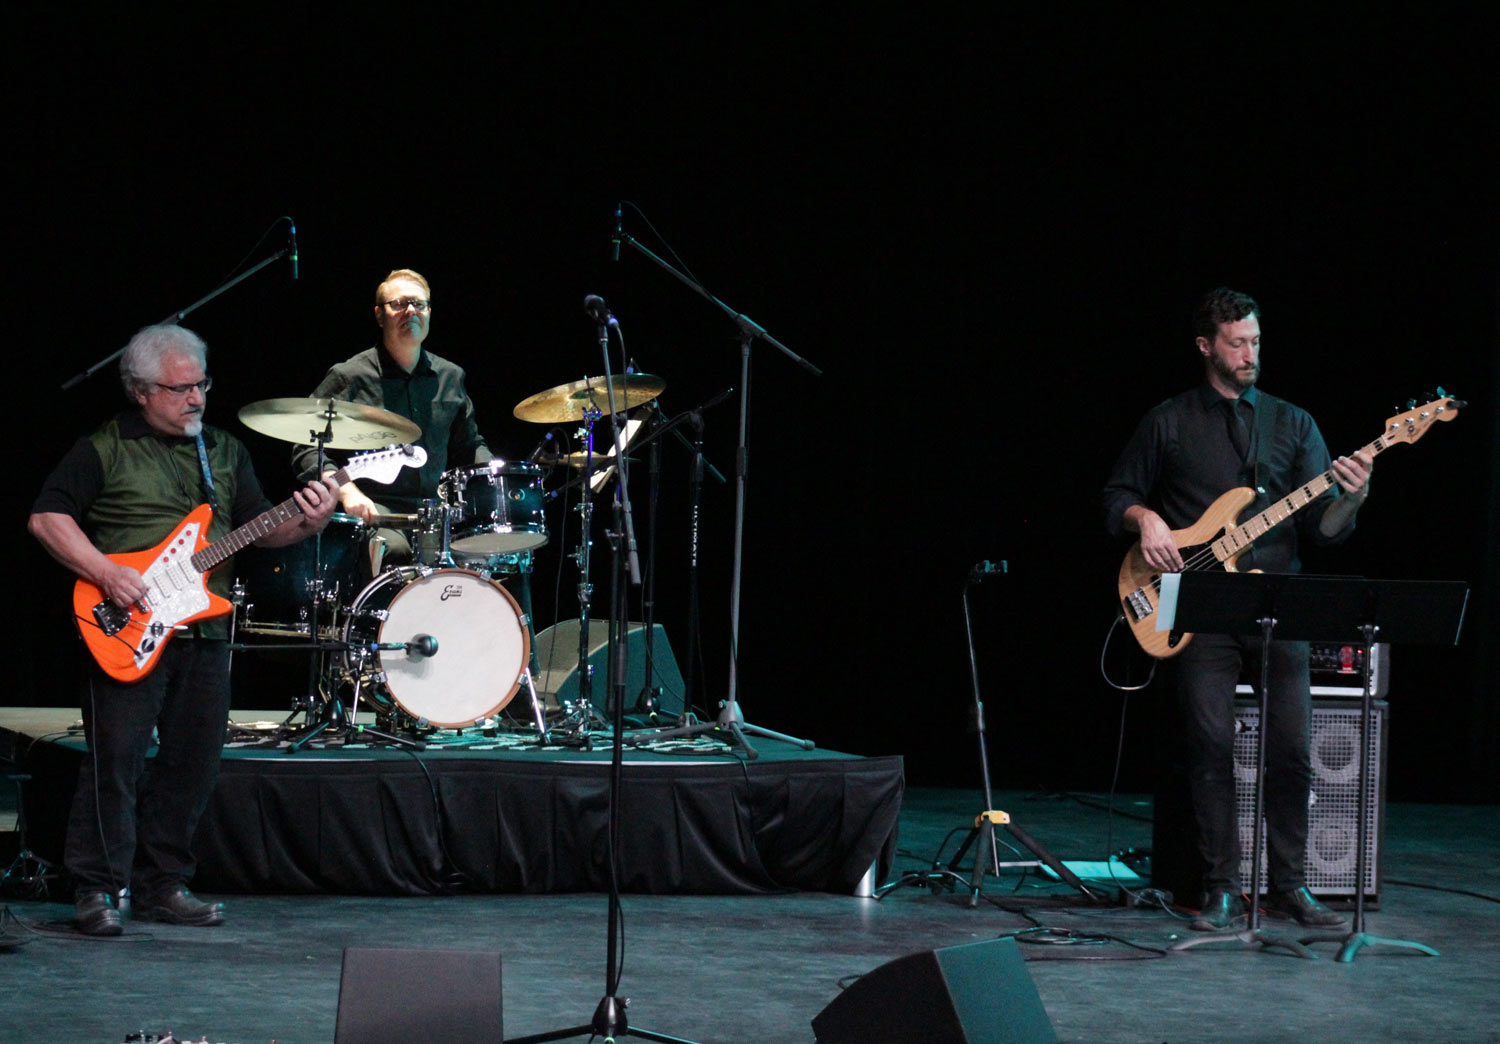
[
  {"x": 569, "y": 402},
  {"x": 580, "y": 460},
  {"x": 353, "y": 424}
]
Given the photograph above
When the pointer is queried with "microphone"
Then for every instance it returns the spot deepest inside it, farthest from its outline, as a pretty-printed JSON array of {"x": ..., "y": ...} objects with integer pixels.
[
  {"x": 595, "y": 309},
  {"x": 293, "y": 235},
  {"x": 536, "y": 452},
  {"x": 614, "y": 243},
  {"x": 421, "y": 646}
]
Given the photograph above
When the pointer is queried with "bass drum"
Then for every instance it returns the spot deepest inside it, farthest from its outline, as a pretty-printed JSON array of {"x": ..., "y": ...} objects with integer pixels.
[{"x": 483, "y": 644}]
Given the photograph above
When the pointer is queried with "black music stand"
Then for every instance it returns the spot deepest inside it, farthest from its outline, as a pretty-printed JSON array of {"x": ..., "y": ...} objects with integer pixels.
[{"x": 1317, "y": 608}]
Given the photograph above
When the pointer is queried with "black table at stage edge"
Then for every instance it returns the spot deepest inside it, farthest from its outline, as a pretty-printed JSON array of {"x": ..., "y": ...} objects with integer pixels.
[{"x": 1318, "y": 608}]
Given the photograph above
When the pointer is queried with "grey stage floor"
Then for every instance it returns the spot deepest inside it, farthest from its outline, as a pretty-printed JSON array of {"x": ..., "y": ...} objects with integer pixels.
[{"x": 759, "y": 968}]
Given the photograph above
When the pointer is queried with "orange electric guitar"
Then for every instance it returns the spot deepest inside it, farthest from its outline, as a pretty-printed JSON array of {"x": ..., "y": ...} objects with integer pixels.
[
  {"x": 1216, "y": 540},
  {"x": 126, "y": 643}
]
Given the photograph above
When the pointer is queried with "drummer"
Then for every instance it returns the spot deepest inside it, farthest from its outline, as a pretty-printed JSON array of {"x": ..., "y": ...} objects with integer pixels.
[{"x": 402, "y": 376}]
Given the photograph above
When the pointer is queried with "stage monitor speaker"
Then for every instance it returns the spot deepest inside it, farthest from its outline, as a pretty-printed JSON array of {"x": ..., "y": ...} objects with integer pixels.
[
  {"x": 1333, "y": 810},
  {"x": 978, "y": 993},
  {"x": 398, "y": 996},
  {"x": 556, "y": 651}
]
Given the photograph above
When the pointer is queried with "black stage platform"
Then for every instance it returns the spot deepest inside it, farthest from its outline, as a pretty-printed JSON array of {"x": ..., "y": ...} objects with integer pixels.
[{"x": 495, "y": 814}]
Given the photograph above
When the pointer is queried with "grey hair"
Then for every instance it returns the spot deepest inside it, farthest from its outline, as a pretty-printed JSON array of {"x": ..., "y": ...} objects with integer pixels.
[{"x": 140, "y": 365}]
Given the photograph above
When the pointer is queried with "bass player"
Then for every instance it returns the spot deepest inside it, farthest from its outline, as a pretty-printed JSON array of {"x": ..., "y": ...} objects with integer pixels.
[{"x": 1227, "y": 433}]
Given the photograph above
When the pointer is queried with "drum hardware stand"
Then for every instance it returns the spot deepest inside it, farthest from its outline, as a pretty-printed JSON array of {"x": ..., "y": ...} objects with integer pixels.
[
  {"x": 1321, "y": 609},
  {"x": 731, "y": 719},
  {"x": 609, "y": 1019},
  {"x": 649, "y": 701},
  {"x": 700, "y": 463},
  {"x": 330, "y": 710}
]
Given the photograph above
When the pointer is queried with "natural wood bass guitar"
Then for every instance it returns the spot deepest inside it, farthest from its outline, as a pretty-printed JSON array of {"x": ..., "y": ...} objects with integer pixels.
[
  {"x": 1216, "y": 540},
  {"x": 126, "y": 643}
]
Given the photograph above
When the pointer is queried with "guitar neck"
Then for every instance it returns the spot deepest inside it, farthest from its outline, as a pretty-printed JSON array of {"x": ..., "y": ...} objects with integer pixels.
[
  {"x": 220, "y": 550},
  {"x": 1238, "y": 540}
]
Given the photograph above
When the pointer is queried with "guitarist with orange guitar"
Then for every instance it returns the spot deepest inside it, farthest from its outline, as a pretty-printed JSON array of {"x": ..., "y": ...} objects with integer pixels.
[
  {"x": 1170, "y": 485},
  {"x": 119, "y": 511}
]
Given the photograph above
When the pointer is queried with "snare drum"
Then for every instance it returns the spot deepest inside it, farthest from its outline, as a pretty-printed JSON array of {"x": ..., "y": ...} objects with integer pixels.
[
  {"x": 497, "y": 508},
  {"x": 483, "y": 643},
  {"x": 277, "y": 580}
]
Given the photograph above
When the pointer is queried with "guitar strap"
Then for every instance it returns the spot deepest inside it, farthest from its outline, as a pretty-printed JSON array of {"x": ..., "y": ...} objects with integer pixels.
[{"x": 208, "y": 475}]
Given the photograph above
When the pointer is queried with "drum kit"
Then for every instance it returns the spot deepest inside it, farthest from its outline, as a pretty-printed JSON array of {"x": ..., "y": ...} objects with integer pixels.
[{"x": 434, "y": 639}]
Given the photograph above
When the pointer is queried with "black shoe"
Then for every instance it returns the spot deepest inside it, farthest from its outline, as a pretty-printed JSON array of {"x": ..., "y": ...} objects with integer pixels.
[
  {"x": 1300, "y": 905},
  {"x": 178, "y": 906},
  {"x": 96, "y": 914},
  {"x": 1218, "y": 913}
]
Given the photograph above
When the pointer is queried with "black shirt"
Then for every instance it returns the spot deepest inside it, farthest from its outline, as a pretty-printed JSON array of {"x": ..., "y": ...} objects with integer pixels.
[
  {"x": 432, "y": 395},
  {"x": 1181, "y": 459}
]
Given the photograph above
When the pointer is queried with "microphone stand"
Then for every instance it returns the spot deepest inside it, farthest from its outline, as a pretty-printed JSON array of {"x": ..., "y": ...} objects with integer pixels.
[
  {"x": 731, "y": 719},
  {"x": 181, "y": 314},
  {"x": 609, "y": 1019}
]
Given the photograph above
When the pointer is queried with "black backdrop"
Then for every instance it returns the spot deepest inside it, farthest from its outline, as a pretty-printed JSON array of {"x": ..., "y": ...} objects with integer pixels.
[{"x": 989, "y": 237}]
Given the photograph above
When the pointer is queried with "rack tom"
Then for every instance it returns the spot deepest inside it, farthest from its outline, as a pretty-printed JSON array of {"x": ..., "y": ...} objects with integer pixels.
[{"x": 496, "y": 508}]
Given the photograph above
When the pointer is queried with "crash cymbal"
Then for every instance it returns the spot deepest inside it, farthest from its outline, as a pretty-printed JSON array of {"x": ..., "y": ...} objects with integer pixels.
[
  {"x": 354, "y": 425},
  {"x": 568, "y": 402}
]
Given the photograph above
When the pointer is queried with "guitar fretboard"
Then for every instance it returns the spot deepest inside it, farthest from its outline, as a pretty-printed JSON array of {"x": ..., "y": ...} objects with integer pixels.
[
  {"x": 251, "y": 531},
  {"x": 1237, "y": 540}
]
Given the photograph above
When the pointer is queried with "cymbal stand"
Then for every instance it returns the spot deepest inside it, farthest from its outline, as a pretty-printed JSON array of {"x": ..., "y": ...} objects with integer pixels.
[
  {"x": 700, "y": 466},
  {"x": 330, "y": 712},
  {"x": 581, "y": 719},
  {"x": 649, "y": 700}
]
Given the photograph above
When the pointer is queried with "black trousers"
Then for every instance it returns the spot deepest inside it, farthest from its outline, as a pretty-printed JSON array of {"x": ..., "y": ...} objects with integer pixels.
[
  {"x": 132, "y": 820},
  {"x": 1208, "y": 670}
]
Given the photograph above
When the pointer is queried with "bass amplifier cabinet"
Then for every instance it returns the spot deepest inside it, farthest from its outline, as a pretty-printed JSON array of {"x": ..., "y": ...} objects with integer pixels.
[
  {"x": 1333, "y": 809},
  {"x": 1336, "y": 670}
]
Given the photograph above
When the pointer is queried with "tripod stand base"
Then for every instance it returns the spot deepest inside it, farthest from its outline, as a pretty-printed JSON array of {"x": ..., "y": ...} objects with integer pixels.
[
  {"x": 1249, "y": 937},
  {"x": 1353, "y": 942},
  {"x": 731, "y": 720},
  {"x": 609, "y": 1023}
]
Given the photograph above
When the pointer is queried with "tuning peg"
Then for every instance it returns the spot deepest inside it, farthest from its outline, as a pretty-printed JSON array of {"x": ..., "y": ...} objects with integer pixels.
[
  {"x": 1440, "y": 393},
  {"x": 1411, "y": 404}
]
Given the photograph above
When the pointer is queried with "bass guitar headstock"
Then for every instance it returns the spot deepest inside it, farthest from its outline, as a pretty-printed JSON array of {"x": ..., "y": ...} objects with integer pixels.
[{"x": 1413, "y": 424}]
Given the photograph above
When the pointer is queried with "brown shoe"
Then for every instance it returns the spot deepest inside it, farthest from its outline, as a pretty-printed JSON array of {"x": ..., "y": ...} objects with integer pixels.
[
  {"x": 1300, "y": 906},
  {"x": 179, "y": 906},
  {"x": 95, "y": 914}
]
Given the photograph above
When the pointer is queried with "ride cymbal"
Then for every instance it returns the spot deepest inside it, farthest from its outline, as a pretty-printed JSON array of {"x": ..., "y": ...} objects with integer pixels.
[{"x": 569, "y": 402}]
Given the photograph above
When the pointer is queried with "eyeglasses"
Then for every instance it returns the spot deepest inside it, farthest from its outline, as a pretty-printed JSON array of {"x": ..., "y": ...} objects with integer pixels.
[
  {"x": 183, "y": 389},
  {"x": 401, "y": 304}
]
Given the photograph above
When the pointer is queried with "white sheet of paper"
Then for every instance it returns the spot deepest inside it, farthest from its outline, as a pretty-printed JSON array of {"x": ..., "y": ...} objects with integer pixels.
[{"x": 1166, "y": 606}]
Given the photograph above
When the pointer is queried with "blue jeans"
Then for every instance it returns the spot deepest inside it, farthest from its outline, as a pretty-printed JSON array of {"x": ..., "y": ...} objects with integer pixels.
[
  {"x": 133, "y": 820},
  {"x": 1208, "y": 670}
]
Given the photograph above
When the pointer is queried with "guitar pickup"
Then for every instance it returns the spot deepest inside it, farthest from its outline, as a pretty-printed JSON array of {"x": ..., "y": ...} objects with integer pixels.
[{"x": 111, "y": 618}]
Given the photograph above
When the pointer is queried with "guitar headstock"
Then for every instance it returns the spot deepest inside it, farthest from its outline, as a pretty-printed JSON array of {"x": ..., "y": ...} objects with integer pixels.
[
  {"x": 384, "y": 465},
  {"x": 1413, "y": 424}
]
